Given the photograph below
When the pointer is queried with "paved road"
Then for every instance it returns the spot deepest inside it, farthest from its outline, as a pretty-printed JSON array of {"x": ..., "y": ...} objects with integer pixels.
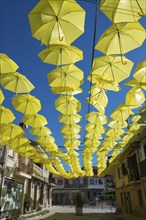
[{"x": 89, "y": 213}]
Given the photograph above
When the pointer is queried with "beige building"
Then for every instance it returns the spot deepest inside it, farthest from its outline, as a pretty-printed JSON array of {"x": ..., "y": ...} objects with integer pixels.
[{"x": 25, "y": 185}]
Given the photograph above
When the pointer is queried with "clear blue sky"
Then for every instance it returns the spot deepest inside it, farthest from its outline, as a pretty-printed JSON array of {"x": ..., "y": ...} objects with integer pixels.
[{"x": 17, "y": 42}]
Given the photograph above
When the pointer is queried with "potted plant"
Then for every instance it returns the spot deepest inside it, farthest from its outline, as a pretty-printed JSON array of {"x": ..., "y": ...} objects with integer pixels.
[{"x": 79, "y": 204}]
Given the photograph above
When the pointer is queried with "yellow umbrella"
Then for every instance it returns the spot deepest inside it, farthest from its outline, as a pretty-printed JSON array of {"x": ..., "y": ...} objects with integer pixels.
[
  {"x": 16, "y": 82},
  {"x": 57, "y": 22},
  {"x": 123, "y": 11},
  {"x": 67, "y": 105},
  {"x": 135, "y": 98},
  {"x": 18, "y": 141},
  {"x": 10, "y": 131},
  {"x": 66, "y": 76},
  {"x": 117, "y": 124},
  {"x": 70, "y": 119},
  {"x": 34, "y": 120},
  {"x": 66, "y": 90},
  {"x": 95, "y": 129},
  {"x": 114, "y": 133},
  {"x": 104, "y": 84},
  {"x": 40, "y": 131},
  {"x": 1, "y": 97},
  {"x": 135, "y": 83},
  {"x": 51, "y": 148},
  {"x": 140, "y": 72},
  {"x": 121, "y": 113},
  {"x": 26, "y": 104},
  {"x": 71, "y": 136},
  {"x": 70, "y": 129},
  {"x": 6, "y": 115},
  {"x": 110, "y": 68},
  {"x": 6, "y": 64},
  {"x": 98, "y": 98},
  {"x": 121, "y": 38},
  {"x": 92, "y": 142},
  {"x": 72, "y": 143},
  {"x": 136, "y": 118},
  {"x": 96, "y": 118},
  {"x": 91, "y": 136},
  {"x": 134, "y": 128},
  {"x": 43, "y": 140},
  {"x": 60, "y": 55}
]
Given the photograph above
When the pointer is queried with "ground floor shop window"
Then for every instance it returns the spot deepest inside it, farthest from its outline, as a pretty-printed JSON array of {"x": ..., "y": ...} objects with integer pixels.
[{"x": 10, "y": 195}]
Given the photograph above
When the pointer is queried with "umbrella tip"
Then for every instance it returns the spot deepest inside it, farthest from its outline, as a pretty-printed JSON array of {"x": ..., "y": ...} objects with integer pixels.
[{"x": 23, "y": 126}]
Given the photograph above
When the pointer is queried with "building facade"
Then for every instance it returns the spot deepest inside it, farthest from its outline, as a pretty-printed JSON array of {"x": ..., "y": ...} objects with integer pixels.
[
  {"x": 91, "y": 188},
  {"x": 24, "y": 185},
  {"x": 130, "y": 178}
]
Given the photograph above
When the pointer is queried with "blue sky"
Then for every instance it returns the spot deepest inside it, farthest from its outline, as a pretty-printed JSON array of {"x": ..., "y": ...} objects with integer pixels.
[{"x": 17, "y": 42}]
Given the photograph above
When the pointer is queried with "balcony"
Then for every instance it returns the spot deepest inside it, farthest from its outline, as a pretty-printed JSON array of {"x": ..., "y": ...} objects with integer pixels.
[
  {"x": 25, "y": 167},
  {"x": 37, "y": 171}
]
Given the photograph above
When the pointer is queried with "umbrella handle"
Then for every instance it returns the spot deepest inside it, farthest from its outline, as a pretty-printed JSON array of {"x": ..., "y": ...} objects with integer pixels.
[
  {"x": 123, "y": 62},
  {"x": 141, "y": 14}
]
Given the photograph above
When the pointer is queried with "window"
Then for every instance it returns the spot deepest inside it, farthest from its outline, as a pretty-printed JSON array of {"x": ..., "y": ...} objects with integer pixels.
[
  {"x": 91, "y": 181},
  {"x": 122, "y": 201},
  {"x": 60, "y": 182},
  {"x": 119, "y": 174},
  {"x": 100, "y": 182},
  {"x": 11, "y": 153},
  {"x": 124, "y": 169},
  {"x": 140, "y": 198}
]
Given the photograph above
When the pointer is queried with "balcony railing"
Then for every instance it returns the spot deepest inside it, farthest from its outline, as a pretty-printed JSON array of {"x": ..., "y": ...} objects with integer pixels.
[
  {"x": 37, "y": 170},
  {"x": 24, "y": 167}
]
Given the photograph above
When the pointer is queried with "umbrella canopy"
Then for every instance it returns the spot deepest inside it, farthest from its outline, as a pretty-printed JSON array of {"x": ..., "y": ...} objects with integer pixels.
[
  {"x": 72, "y": 143},
  {"x": 68, "y": 76},
  {"x": 34, "y": 120},
  {"x": 70, "y": 129},
  {"x": 67, "y": 105},
  {"x": 121, "y": 38},
  {"x": 95, "y": 129},
  {"x": 26, "y": 104},
  {"x": 1, "y": 97},
  {"x": 96, "y": 118},
  {"x": 18, "y": 141},
  {"x": 16, "y": 82},
  {"x": 69, "y": 119},
  {"x": 71, "y": 136},
  {"x": 114, "y": 133},
  {"x": 10, "y": 131},
  {"x": 135, "y": 98},
  {"x": 57, "y": 22},
  {"x": 110, "y": 68},
  {"x": 123, "y": 11},
  {"x": 121, "y": 113},
  {"x": 6, "y": 64},
  {"x": 66, "y": 90},
  {"x": 40, "y": 131},
  {"x": 91, "y": 136},
  {"x": 135, "y": 83},
  {"x": 44, "y": 140},
  {"x": 60, "y": 55},
  {"x": 140, "y": 72},
  {"x": 6, "y": 115},
  {"x": 117, "y": 124},
  {"x": 92, "y": 142}
]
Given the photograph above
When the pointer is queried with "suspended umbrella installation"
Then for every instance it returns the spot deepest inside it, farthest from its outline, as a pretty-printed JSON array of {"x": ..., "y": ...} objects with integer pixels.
[{"x": 57, "y": 24}]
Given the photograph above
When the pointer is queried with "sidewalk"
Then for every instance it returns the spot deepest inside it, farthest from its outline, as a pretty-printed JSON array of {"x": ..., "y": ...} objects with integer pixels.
[{"x": 89, "y": 213}]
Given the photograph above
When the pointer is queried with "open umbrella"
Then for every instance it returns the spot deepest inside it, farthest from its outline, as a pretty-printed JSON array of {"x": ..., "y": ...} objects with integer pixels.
[
  {"x": 40, "y": 131},
  {"x": 57, "y": 22},
  {"x": 1, "y": 97},
  {"x": 70, "y": 129},
  {"x": 43, "y": 140},
  {"x": 6, "y": 115},
  {"x": 6, "y": 64},
  {"x": 121, "y": 113},
  {"x": 91, "y": 136},
  {"x": 64, "y": 90},
  {"x": 71, "y": 136},
  {"x": 18, "y": 141},
  {"x": 68, "y": 76},
  {"x": 123, "y": 11},
  {"x": 60, "y": 55},
  {"x": 95, "y": 129},
  {"x": 121, "y": 38},
  {"x": 140, "y": 72},
  {"x": 135, "y": 83},
  {"x": 10, "y": 131},
  {"x": 96, "y": 118},
  {"x": 26, "y": 104},
  {"x": 135, "y": 98},
  {"x": 16, "y": 82},
  {"x": 72, "y": 143},
  {"x": 35, "y": 120},
  {"x": 98, "y": 98},
  {"x": 67, "y": 105},
  {"x": 70, "y": 119},
  {"x": 104, "y": 84},
  {"x": 92, "y": 142},
  {"x": 114, "y": 133},
  {"x": 117, "y": 124},
  {"x": 110, "y": 68}
]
